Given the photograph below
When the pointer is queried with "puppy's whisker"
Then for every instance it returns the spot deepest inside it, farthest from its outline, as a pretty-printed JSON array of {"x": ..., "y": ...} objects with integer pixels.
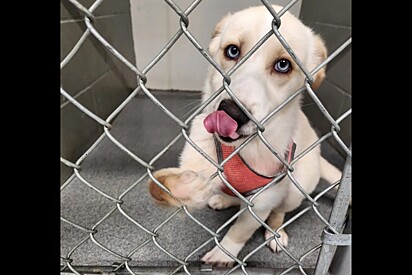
[
  {"x": 189, "y": 104},
  {"x": 307, "y": 104},
  {"x": 198, "y": 102}
]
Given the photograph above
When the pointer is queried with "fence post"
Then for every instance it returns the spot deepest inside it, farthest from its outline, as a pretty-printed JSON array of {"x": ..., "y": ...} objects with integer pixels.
[{"x": 337, "y": 218}]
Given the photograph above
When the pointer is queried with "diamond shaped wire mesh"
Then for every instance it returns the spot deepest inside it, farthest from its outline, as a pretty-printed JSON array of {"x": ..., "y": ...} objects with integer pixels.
[{"x": 152, "y": 234}]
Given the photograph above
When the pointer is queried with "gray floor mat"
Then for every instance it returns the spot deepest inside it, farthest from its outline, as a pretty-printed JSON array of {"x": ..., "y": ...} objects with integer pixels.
[{"x": 145, "y": 130}]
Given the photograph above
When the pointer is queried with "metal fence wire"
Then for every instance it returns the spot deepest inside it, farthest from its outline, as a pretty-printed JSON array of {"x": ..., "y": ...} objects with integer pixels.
[{"x": 331, "y": 237}]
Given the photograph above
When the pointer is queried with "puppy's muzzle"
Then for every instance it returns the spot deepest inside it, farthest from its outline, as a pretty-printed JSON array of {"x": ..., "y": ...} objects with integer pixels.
[{"x": 231, "y": 108}]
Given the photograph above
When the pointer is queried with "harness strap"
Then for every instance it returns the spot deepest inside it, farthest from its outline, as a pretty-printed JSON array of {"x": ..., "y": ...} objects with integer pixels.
[{"x": 242, "y": 179}]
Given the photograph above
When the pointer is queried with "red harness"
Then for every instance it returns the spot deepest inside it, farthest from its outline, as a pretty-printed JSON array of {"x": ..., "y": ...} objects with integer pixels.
[{"x": 241, "y": 176}]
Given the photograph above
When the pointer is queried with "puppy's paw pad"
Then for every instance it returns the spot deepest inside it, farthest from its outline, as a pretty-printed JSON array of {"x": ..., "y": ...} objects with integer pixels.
[
  {"x": 283, "y": 240},
  {"x": 217, "y": 202},
  {"x": 217, "y": 257}
]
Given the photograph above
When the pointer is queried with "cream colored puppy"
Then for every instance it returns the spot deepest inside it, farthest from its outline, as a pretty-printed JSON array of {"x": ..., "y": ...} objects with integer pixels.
[{"x": 261, "y": 84}]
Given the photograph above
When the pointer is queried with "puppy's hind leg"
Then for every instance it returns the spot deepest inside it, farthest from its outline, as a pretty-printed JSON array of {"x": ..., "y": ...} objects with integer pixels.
[
  {"x": 274, "y": 221},
  {"x": 329, "y": 172}
]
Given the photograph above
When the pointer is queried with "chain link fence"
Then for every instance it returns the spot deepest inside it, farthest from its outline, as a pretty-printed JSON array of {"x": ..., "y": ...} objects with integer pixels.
[{"x": 333, "y": 225}]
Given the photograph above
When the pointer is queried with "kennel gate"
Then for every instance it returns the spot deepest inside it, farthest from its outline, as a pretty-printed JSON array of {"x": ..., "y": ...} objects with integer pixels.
[{"x": 331, "y": 236}]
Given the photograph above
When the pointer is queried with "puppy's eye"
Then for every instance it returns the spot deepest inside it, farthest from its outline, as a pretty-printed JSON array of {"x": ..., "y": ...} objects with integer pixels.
[
  {"x": 232, "y": 52},
  {"x": 283, "y": 66}
]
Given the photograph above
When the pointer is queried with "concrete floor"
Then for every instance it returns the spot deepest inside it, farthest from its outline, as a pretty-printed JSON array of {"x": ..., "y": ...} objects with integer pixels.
[{"x": 145, "y": 130}]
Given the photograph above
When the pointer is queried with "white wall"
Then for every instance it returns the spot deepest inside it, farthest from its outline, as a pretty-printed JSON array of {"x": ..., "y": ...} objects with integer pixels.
[{"x": 183, "y": 67}]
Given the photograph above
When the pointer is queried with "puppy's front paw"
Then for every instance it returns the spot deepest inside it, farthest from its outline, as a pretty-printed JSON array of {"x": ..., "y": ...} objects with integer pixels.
[
  {"x": 217, "y": 257},
  {"x": 217, "y": 202},
  {"x": 222, "y": 201},
  {"x": 186, "y": 187},
  {"x": 283, "y": 240}
]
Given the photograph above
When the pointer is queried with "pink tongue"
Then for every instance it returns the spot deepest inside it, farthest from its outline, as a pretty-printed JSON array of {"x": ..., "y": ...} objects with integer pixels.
[{"x": 221, "y": 123}]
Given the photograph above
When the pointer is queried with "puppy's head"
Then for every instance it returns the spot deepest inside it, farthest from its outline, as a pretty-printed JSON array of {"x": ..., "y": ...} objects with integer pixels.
[{"x": 267, "y": 78}]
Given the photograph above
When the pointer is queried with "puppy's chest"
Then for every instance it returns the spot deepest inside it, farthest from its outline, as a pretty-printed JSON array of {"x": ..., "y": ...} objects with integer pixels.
[
  {"x": 253, "y": 169},
  {"x": 247, "y": 176},
  {"x": 264, "y": 164}
]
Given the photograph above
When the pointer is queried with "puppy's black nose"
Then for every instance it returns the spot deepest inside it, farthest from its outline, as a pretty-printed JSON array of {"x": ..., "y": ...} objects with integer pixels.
[{"x": 231, "y": 108}]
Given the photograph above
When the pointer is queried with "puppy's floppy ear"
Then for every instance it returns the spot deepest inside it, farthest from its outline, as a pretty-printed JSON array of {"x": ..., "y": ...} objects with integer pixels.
[
  {"x": 214, "y": 43},
  {"x": 318, "y": 55}
]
